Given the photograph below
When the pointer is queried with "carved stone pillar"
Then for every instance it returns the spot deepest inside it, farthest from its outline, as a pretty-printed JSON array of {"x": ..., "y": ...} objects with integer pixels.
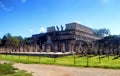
[
  {"x": 55, "y": 48},
  {"x": 36, "y": 48},
  {"x": 78, "y": 49},
  {"x": 21, "y": 49},
  {"x": 72, "y": 48},
  {"x": 25, "y": 48},
  {"x": 48, "y": 48},
  {"x": 69, "y": 47},
  {"x": 30, "y": 48},
  {"x": 33, "y": 48},
  {"x": 43, "y": 48},
  {"x": 0, "y": 50},
  {"x": 63, "y": 47}
]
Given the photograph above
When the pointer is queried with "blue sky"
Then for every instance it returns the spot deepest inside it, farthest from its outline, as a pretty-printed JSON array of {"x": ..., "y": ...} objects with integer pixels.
[{"x": 27, "y": 17}]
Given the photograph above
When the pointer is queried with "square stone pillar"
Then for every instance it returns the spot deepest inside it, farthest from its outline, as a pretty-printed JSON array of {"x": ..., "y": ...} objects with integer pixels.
[
  {"x": 78, "y": 49},
  {"x": 21, "y": 49},
  {"x": 62, "y": 47},
  {"x": 55, "y": 48},
  {"x": 36, "y": 48},
  {"x": 48, "y": 48},
  {"x": 72, "y": 48},
  {"x": 43, "y": 48},
  {"x": 69, "y": 47},
  {"x": 30, "y": 48},
  {"x": 27, "y": 48},
  {"x": 33, "y": 48},
  {"x": 0, "y": 50}
]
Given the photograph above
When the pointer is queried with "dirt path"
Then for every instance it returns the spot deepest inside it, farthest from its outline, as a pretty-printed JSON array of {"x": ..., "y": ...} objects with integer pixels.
[
  {"x": 3, "y": 61},
  {"x": 53, "y": 70}
]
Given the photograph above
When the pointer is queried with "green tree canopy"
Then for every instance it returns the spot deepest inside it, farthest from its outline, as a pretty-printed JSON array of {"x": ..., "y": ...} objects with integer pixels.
[
  {"x": 12, "y": 41},
  {"x": 101, "y": 32},
  {"x": 0, "y": 41},
  {"x": 4, "y": 39}
]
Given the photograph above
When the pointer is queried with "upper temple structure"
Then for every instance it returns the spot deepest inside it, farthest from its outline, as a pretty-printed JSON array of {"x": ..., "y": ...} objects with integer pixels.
[{"x": 69, "y": 39}]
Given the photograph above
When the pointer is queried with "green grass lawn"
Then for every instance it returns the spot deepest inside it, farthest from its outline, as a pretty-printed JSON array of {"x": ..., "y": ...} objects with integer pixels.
[
  {"x": 79, "y": 61},
  {"x": 9, "y": 70}
]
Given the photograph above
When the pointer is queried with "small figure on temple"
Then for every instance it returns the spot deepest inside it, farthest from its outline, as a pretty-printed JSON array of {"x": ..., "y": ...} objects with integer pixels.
[
  {"x": 61, "y": 28},
  {"x": 57, "y": 28}
]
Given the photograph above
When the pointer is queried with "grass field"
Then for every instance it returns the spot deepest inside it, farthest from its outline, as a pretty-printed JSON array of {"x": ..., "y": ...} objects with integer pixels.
[
  {"x": 79, "y": 61},
  {"x": 9, "y": 70}
]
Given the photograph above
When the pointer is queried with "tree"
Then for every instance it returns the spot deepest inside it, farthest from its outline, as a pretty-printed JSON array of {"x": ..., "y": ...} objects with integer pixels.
[
  {"x": 12, "y": 41},
  {"x": 4, "y": 39},
  {"x": 101, "y": 32},
  {"x": 27, "y": 41},
  {"x": 111, "y": 44},
  {"x": 0, "y": 41},
  {"x": 20, "y": 38}
]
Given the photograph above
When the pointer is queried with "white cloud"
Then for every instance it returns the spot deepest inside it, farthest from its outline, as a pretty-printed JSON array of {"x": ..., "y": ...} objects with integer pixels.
[
  {"x": 3, "y": 7},
  {"x": 1, "y": 32},
  {"x": 105, "y": 1},
  {"x": 31, "y": 30},
  {"x": 23, "y": 1},
  {"x": 42, "y": 29},
  {"x": 77, "y": 22}
]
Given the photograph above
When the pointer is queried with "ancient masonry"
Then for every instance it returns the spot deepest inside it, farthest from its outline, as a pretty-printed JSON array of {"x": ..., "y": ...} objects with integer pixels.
[{"x": 74, "y": 38}]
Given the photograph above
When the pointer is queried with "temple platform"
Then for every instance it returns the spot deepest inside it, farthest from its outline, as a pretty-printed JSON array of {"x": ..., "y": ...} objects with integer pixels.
[{"x": 49, "y": 54}]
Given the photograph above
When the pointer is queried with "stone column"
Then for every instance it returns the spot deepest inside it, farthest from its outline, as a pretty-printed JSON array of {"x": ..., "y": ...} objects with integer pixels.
[
  {"x": 69, "y": 47},
  {"x": 78, "y": 49},
  {"x": 48, "y": 48},
  {"x": 72, "y": 48},
  {"x": 40, "y": 49},
  {"x": 21, "y": 49},
  {"x": 62, "y": 47},
  {"x": 43, "y": 48},
  {"x": 0, "y": 50},
  {"x": 25, "y": 48},
  {"x": 28, "y": 49},
  {"x": 55, "y": 48},
  {"x": 35, "y": 48}
]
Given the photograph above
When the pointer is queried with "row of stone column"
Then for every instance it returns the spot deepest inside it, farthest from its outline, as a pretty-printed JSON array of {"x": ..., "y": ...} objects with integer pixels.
[
  {"x": 72, "y": 47},
  {"x": 20, "y": 49},
  {"x": 55, "y": 47}
]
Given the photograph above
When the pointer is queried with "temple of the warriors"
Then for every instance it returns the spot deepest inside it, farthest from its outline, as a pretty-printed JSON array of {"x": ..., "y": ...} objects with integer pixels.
[{"x": 74, "y": 37}]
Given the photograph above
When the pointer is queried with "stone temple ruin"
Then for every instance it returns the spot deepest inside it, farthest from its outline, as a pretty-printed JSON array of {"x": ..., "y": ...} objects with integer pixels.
[{"x": 74, "y": 38}]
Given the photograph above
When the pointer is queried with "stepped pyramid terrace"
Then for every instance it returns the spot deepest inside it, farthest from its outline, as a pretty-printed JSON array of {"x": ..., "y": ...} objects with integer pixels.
[{"x": 73, "y": 38}]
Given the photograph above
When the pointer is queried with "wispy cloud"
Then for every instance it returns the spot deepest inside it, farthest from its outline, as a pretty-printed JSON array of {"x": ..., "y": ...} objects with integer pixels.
[
  {"x": 76, "y": 21},
  {"x": 1, "y": 34},
  {"x": 23, "y": 1},
  {"x": 31, "y": 30},
  {"x": 3, "y": 7},
  {"x": 8, "y": 6},
  {"x": 42, "y": 29},
  {"x": 105, "y": 1}
]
